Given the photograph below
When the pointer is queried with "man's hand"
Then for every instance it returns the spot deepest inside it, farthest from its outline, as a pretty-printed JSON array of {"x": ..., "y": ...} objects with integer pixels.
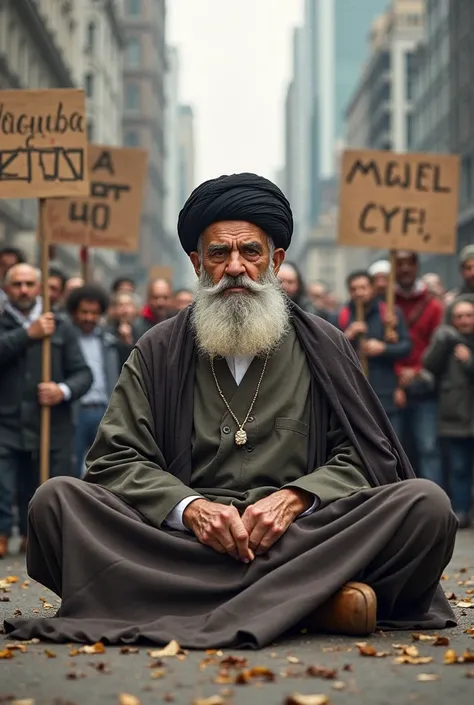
[
  {"x": 355, "y": 329},
  {"x": 49, "y": 394},
  {"x": 43, "y": 327},
  {"x": 400, "y": 398},
  {"x": 219, "y": 527},
  {"x": 373, "y": 347},
  {"x": 125, "y": 333},
  {"x": 462, "y": 353},
  {"x": 269, "y": 518},
  {"x": 407, "y": 375}
]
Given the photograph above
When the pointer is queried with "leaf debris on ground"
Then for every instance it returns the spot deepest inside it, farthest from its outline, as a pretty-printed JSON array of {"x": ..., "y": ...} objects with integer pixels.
[
  {"x": 171, "y": 649},
  {"x": 299, "y": 699}
]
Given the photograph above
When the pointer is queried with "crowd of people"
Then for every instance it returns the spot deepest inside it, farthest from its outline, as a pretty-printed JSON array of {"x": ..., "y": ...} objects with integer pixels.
[{"x": 419, "y": 361}]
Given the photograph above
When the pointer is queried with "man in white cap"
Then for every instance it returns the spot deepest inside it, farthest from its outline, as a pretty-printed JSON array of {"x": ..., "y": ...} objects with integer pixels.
[{"x": 380, "y": 274}]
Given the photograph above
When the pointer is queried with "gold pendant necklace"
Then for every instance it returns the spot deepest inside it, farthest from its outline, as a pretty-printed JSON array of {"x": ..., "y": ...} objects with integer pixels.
[{"x": 240, "y": 437}]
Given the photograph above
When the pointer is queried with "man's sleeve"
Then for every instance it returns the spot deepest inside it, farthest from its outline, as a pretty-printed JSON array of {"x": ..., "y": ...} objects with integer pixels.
[
  {"x": 13, "y": 343},
  {"x": 342, "y": 475},
  {"x": 402, "y": 348},
  {"x": 125, "y": 457}
]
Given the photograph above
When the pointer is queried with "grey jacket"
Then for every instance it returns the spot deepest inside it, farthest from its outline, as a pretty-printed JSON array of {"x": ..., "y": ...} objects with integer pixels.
[{"x": 454, "y": 382}]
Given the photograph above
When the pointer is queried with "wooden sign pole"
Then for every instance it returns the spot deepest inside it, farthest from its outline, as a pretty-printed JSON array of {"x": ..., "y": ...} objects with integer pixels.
[
  {"x": 390, "y": 326},
  {"x": 360, "y": 317},
  {"x": 85, "y": 263},
  {"x": 46, "y": 343}
]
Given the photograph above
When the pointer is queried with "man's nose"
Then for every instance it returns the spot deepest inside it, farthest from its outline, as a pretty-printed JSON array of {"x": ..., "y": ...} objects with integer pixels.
[{"x": 235, "y": 266}]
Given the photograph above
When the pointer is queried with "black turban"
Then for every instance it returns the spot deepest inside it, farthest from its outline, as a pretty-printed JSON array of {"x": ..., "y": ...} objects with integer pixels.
[{"x": 237, "y": 197}]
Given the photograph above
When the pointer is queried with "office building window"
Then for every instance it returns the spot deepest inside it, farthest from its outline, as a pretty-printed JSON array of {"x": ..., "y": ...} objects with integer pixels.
[
  {"x": 132, "y": 96},
  {"x": 133, "y": 55},
  {"x": 91, "y": 37},
  {"x": 89, "y": 85},
  {"x": 134, "y": 7},
  {"x": 132, "y": 139}
]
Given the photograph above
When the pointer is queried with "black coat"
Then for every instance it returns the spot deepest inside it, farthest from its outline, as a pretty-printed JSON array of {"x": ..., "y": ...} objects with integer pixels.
[{"x": 20, "y": 375}]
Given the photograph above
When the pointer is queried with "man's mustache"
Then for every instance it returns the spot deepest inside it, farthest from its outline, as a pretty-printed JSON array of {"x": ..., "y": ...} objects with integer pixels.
[{"x": 242, "y": 281}]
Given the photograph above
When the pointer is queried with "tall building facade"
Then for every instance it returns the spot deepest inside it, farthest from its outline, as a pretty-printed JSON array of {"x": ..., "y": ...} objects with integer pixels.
[
  {"x": 180, "y": 156},
  {"x": 144, "y": 122},
  {"x": 433, "y": 105},
  {"x": 380, "y": 114},
  {"x": 328, "y": 53},
  {"x": 461, "y": 23},
  {"x": 40, "y": 47}
]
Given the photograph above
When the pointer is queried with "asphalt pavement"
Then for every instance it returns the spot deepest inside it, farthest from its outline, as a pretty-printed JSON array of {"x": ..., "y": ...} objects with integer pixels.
[{"x": 337, "y": 669}]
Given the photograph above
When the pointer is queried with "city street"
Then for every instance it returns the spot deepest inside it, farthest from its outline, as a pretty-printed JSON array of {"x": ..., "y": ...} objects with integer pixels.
[{"x": 44, "y": 674}]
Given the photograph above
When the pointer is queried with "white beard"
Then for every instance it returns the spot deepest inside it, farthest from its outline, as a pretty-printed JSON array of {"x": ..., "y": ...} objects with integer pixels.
[{"x": 249, "y": 323}]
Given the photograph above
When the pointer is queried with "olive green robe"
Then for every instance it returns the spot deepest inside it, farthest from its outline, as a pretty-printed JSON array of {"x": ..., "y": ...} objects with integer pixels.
[{"x": 125, "y": 459}]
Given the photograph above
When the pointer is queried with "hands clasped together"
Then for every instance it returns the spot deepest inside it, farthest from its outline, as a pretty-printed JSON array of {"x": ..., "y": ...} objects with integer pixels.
[{"x": 243, "y": 537}]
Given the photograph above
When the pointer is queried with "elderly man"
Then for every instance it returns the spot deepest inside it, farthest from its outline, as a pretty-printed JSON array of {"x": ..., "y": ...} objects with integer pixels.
[{"x": 244, "y": 473}]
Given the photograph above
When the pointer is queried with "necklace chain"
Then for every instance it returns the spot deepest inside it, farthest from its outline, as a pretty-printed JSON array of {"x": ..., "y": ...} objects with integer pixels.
[{"x": 240, "y": 436}]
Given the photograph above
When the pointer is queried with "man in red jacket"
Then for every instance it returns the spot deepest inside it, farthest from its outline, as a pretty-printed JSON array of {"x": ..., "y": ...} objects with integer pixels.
[{"x": 415, "y": 395}]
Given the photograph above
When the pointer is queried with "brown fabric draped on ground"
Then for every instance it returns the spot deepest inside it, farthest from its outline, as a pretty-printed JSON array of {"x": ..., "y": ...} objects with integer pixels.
[{"x": 123, "y": 581}]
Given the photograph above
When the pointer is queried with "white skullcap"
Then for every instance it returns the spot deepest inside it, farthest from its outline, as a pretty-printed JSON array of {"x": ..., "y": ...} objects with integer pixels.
[{"x": 382, "y": 266}]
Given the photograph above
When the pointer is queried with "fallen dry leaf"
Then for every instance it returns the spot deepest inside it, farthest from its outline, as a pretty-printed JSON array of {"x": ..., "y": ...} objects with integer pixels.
[
  {"x": 293, "y": 659},
  {"x": 169, "y": 698},
  {"x": 299, "y": 699},
  {"x": 234, "y": 662},
  {"x": 28, "y": 701},
  {"x": 339, "y": 685},
  {"x": 11, "y": 579},
  {"x": 321, "y": 672},
  {"x": 423, "y": 637},
  {"x": 17, "y": 613},
  {"x": 17, "y": 647},
  {"x": 49, "y": 653},
  {"x": 75, "y": 675},
  {"x": 469, "y": 674},
  {"x": 250, "y": 674},
  {"x": 213, "y": 700},
  {"x": 347, "y": 667},
  {"x": 158, "y": 673},
  {"x": 451, "y": 596},
  {"x": 126, "y": 699},
  {"x": 4, "y": 599},
  {"x": 214, "y": 652},
  {"x": 426, "y": 677},
  {"x": 441, "y": 641},
  {"x": 406, "y": 650},
  {"x": 465, "y": 605},
  {"x": 468, "y": 656},
  {"x": 128, "y": 650},
  {"x": 469, "y": 631},
  {"x": 171, "y": 649},
  {"x": 97, "y": 648},
  {"x": 6, "y": 654},
  {"x": 412, "y": 660},
  {"x": 366, "y": 649}
]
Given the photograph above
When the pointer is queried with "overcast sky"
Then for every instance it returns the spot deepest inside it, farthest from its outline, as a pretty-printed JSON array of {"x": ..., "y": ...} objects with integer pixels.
[{"x": 235, "y": 65}]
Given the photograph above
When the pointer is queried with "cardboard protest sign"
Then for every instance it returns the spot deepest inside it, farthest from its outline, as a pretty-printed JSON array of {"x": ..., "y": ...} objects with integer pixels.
[
  {"x": 160, "y": 272},
  {"x": 43, "y": 144},
  {"x": 110, "y": 216},
  {"x": 399, "y": 201}
]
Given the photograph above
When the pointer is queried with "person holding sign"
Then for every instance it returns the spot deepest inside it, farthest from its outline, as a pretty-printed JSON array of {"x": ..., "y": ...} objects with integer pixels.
[
  {"x": 367, "y": 334},
  {"x": 23, "y": 326},
  {"x": 244, "y": 474}
]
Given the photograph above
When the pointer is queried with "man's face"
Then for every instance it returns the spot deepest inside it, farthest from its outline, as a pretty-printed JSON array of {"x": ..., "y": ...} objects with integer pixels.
[
  {"x": 289, "y": 280},
  {"x": 159, "y": 297},
  {"x": 463, "y": 317},
  {"x": 467, "y": 271},
  {"x": 87, "y": 316},
  {"x": 360, "y": 289},
  {"x": 380, "y": 284},
  {"x": 182, "y": 299},
  {"x": 55, "y": 286},
  {"x": 235, "y": 248},
  {"x": 406, "y": 271},
  {"x": 73, "y": 283},
  {"x": 317, "y": 293},
  {"x": 6, "y": 261},
  {"x": 125, "y": 310},
  {"x": 23, "y": 287}
]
